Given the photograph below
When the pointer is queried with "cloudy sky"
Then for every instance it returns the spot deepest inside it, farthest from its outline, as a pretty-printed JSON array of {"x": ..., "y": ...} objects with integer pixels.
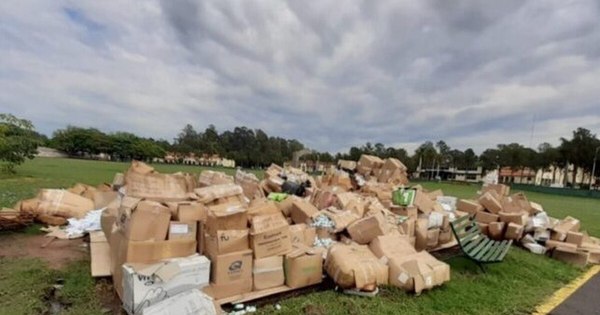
[{"x": 332, "y": 74}]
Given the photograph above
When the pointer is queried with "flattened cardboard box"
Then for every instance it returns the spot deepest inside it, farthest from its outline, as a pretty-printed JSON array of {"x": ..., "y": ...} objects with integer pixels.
[
  {"x": 268, "y": 272},
  {"x": 575, "y": 257},
  {"x": 63, "y": 203},
  {"x": 231, "y": 267},
  {"x": 99, "y": 254},
  {"x": 145, "y": 285},
  {"x": 270, "y": 236},
  {"x": 160, "y": 187},
  {"x": 303, "y": 266},
  {"x": 226, "y": 241}
]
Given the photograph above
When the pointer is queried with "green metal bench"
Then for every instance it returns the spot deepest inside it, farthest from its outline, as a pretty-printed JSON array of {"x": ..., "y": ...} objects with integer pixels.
[{"x": 477, "y": 246}]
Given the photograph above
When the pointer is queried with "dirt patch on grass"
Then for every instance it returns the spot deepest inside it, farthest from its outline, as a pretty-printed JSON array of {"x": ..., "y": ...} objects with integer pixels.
[{"x": 57, "y": 254}]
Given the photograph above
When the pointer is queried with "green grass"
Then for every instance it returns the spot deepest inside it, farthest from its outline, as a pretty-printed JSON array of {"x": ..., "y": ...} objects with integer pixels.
[
  {"x": 515, "y": 286},
  {"x": 25, "y": 284},
  {"x": 63, "y": 173}
]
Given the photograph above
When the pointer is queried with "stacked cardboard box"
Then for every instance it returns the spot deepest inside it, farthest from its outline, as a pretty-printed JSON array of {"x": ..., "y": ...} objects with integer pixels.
[{"x": 513, "y": 217}]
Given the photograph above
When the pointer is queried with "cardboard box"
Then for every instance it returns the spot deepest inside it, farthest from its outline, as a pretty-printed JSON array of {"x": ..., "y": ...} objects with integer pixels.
[
  {"x": 286, "y": 205},
  {"x": 366, "y": 229},
  {"x": 226, "y": 217},
  {"x": 433, "y": 236},
  {"x": 490, "y": 203},
  {"x": 410, "y": 211},
  {"x": 302, "y": 234},
  {"x": 99, "y": 254},
  {"x": 145, "y": 285},
  {"x": 155, "y": 186},
  {"x": 566, "y": 225},
  {"x": 391, "y": 246},
  {"x": 520, "y": 217},
  {"x": 486, "y": 217},
  {"x": 231, "y": 267},
  {"x": 514, "y": 231},
  {"x": 182, "y": 230},
  {"x": 421, "y": 233},
  {"x": 500, "y": 189},
  {"x": 574, "y": 238},
  {"x": 496, "y": 230},
  {"x": 124, "y": 251},
  {"x": 302, "y": 212},
  {"x": 268, "y": 272},
  {"x": 191, "y": 211},
  {"x": 229, "y": 289},
  {"x": 355, "y": 266},
  {"x": 104, "y": 198},
  {"x": 270, "y": 236},
  {"x": 369, "y": 162},
  {"x": 226, "y": 241},
  {"x": 63, "y": 203},
  {"x": 551, "y": 244},
  {"x": 571, "y": 256},
  {"x": 418, "y": 272},
  {"x": 423, "y": 202},
  {"x": 468, "y": 206},
  {"x": 446, "y": 236},
  {"x": 262, "y": 207},
  {"x": 190, "y": 302},
  {"x": 303, "y": 266},
  {"x": 212, "y": 193},
  {"x": 484, "y": 228},
  {"x": 408, "y": 226},
  {"x": 149, "y": 221}
]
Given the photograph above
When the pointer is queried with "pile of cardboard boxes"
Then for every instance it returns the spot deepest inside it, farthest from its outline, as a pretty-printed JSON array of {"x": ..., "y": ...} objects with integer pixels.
[
  {"x": 502, "y": 216},
  {"x": 172, "y": 233},
  {"x": 215, "y": 238}
]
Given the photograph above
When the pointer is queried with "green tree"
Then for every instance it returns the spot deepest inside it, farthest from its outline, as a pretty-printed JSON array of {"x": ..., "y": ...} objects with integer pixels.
[{"x": 17, "y": 141}]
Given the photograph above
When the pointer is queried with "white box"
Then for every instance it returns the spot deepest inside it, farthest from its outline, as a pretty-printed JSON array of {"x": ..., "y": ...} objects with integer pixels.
[
  {"x": 191, "y": 302},
  {"x": 145, "y": 285}
]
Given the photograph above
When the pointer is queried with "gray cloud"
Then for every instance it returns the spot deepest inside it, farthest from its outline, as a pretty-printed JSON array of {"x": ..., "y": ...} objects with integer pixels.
[{"x": 332, "y": 74}]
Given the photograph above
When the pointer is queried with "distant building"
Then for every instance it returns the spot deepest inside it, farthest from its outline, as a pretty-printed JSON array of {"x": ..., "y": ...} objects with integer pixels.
[
  {"x": 552, "y": 176},
  {"x": 450, "y": 173},
  {"x": 519, "y": 176},
  {"x": 49, "y": 152}
]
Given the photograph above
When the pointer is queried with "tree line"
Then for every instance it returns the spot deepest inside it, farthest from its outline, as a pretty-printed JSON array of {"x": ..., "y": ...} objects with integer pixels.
[{"x": 255, "y": 148}]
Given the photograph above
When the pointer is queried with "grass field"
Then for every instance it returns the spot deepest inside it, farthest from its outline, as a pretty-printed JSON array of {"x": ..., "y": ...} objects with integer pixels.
[{"x": 513, "y": 287}]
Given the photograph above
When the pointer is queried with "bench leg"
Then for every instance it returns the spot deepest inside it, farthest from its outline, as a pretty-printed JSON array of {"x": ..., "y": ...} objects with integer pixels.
[{"x": 481, "y": 267}]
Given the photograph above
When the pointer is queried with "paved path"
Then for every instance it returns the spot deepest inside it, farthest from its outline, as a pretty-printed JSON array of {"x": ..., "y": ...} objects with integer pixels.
[{"x": 586, "y": 300}]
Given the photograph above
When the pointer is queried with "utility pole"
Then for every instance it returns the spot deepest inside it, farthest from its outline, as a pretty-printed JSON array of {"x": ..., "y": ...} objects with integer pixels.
[{"x": 594, "y": 167}]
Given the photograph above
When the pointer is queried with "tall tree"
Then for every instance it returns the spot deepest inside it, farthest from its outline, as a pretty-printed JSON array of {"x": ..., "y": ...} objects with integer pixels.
[{"x": 17, "y": 141}]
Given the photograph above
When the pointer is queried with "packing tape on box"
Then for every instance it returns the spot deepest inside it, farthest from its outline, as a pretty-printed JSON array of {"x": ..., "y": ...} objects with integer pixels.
[{"x": 403, "y": 278}]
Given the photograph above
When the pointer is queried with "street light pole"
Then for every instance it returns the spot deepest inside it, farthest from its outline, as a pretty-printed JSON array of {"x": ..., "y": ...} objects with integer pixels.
[{"x": 594, "y": 167}]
